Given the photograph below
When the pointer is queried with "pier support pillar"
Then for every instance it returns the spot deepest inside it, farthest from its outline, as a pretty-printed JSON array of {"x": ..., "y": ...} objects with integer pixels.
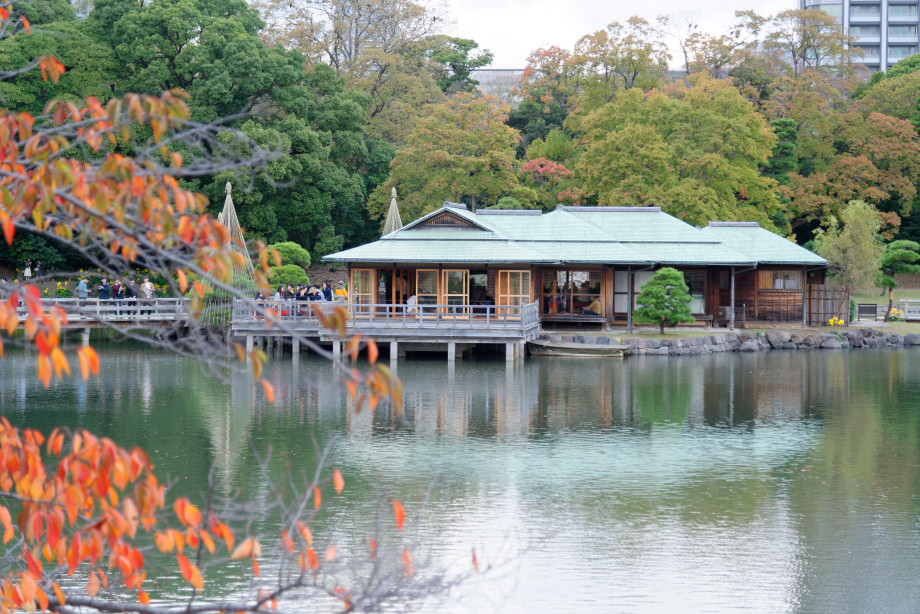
[
  {"x": 451, "y": 351},
  {"x": 248, "y": 344},
  {"x": 295, "y": 345},
  {"x": 394, "y": 351},
  {"x": 85, "y": 337},
  {"x": 336, "y": 349},
  {"x": 509, "y": 351}
]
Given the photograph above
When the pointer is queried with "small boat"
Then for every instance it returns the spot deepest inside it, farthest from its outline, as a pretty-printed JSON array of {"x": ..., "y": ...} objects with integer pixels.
[{"x": 542, "y": 347}]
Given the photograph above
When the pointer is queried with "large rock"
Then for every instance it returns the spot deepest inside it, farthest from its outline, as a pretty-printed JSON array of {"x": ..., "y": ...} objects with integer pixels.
[
  {"x": 912, "y": 339},
  {"x": 749, "y": 346},
  {"x": 778, "y": 338},
  {"x": 832, "y": 343}
]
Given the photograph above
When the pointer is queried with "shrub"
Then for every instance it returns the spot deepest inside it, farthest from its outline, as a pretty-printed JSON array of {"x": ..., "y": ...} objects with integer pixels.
[
  {"x": 287, "y": 274},
  {"x": 292, "y": 253},
  {"x": 664, "y": 300}
]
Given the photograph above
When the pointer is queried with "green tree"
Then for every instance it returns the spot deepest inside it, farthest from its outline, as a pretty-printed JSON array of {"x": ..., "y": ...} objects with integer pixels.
[
  {"x": 664, "y": 300},
  {"x": 462, "y": 151},
  {"x": 292, "y": 253},
  {"x": 209, "y": 48},
  {"x": 852, "y": 245},
  {"x": 899, "y": 258},
  {"x": 811, "y": 39},
  {"x": 41, "y": 12},
  {"x": 695, "y": 151},
  {"x": 380, "y": 47},
  {"x": 91, "y": 68},
  {"x": 456, "y": 57},
  {"x": 620, "y": 58},
  {"x": 784, "y": 159}
]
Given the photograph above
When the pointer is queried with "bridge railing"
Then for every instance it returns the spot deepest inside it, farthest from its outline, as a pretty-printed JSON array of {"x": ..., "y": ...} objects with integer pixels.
[
  {"x": 370, "y": 316},
  {"x": 124, "y": 310}
]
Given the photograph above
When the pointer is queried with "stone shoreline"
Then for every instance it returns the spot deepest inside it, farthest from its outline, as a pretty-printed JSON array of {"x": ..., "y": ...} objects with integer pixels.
[{"x": 748, "y": 342}]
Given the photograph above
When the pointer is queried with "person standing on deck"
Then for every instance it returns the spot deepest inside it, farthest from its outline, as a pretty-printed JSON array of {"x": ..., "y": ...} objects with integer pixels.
[
  {"x": 27, "y": 272},
  {"x": 82, "y": 291}
]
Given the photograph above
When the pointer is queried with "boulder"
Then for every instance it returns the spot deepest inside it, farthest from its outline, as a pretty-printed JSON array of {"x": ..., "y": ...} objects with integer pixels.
[
  {"x": 749, "y": 346},
  {"x": 912, "y": 339},
  {"x": 603, "y": 340},
  {"x": 831, "y": 344},
  {"x": 778, "y": 338}
]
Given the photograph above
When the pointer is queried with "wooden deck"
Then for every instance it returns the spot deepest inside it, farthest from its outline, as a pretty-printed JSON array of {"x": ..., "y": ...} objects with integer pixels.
[
  {"x": 93, "y": 312},
  {"x": 399, "y": 323}
]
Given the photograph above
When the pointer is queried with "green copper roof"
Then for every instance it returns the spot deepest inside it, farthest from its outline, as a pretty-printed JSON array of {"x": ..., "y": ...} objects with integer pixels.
[
  {"x": 760, "y": 244},
  {"x": 576, "y": 235}
]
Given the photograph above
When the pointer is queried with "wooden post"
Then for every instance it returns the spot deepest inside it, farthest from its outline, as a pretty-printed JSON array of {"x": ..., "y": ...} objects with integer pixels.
[
  {"x": 732, "y": 307},
  {"x": 804, "y": 299},
  {"x": 629, "y": 299}
]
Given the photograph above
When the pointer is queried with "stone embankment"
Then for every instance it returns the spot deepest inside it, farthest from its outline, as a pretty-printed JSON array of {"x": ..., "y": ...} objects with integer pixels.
[{"x": 749, "y": 342}]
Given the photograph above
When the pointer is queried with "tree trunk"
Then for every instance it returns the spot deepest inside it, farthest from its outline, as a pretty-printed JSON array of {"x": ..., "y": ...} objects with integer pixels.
[
  {"x": 890, "y": 303},
  {"x": 661, "y": 326}
]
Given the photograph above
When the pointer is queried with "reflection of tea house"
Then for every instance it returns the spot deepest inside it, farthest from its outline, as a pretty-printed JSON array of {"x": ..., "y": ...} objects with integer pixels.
[{"x": 583, "y": 265}]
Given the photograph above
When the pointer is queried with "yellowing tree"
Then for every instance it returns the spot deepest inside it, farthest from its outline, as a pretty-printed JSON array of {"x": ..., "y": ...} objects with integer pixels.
[{"x": 462, "y": 150}]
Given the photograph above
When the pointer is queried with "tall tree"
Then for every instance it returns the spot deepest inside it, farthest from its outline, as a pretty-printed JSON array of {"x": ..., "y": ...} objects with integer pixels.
[
  {"x": 852, "y": 245},
  {"x": 457, "y": 59},
  {"x": 462, "y": 151},
  {"x": 812, "y": 39},
  {"x": 619, "y": 58},
  {"x": 694, "y": 151},
  {"x": 379, "y": 46},
  {"x": 899, "y": 258}
]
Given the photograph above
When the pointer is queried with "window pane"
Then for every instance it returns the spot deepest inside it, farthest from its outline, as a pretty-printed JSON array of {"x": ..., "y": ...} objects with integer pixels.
[{"x": 428, "y": 282}]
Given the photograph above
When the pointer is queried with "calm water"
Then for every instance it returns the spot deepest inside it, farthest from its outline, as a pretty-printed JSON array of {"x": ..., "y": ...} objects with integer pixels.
[{"x": 774, "y": 482}]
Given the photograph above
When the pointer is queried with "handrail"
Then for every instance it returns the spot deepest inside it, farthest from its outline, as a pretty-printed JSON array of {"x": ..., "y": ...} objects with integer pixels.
[
  {"x": 119, "y": 310},
  {"x": 394, "y": 316}
]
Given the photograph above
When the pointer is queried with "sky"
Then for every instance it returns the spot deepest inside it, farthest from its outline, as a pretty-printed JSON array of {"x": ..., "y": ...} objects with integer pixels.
[{"x": 511, "y": 29}]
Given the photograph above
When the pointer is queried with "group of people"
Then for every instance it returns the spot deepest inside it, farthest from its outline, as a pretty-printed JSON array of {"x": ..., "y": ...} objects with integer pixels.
[
  {"x": 303, "y": 292},
  {"x": 117, "y": 290},
  {"x": 27, "y": 271}
]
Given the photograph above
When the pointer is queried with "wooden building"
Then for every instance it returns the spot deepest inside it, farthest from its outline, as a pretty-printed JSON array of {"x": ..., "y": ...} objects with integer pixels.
[{"x": 576, "y": 258}]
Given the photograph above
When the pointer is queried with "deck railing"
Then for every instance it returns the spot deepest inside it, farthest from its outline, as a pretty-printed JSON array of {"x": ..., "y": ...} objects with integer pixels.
[
  {"x": 523, "y": 319},
  {"x": 119, "y": 311}
]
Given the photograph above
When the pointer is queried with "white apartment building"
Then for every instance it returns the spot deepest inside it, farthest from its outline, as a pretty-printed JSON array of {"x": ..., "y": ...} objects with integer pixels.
[{"x": 885, "y": 30}]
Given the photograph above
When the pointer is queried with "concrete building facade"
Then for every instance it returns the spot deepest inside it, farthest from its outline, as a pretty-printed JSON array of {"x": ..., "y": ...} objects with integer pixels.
[{"x": 885, "y": 30}]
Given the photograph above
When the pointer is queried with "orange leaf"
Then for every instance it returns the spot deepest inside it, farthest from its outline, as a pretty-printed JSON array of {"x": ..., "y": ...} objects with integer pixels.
[
  {"x": 59, "y": 593},
  {"x": 92, "y": 585},
  {"x": 407, "y": 562},
  {"x": 183, "y": 281},
  {"x": 475, "y": 561},
  {"x": 44, "y": 370},
  {"x": 8, "y": 229},
  {"x": 143, "y": 597},
  {"x": 317, "y": 497},
  {"x": 330, "y": 553},
  {"x": 185, "y": 567},
  {"x": 249, "y": 548},
  {"x": 372, "y": 352},
  {"x": 400, "y": 514},
  {"x": 269, "y": 390},
  {"x": 5, "y": 519},
  {"x": 338, "y": 481}
]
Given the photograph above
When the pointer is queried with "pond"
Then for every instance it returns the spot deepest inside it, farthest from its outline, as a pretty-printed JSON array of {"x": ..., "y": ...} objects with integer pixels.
[{"x": 775, "y": 482}]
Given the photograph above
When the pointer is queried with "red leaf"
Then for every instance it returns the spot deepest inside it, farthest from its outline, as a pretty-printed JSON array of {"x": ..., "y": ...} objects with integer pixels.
[{"x": 400, "y": 514}]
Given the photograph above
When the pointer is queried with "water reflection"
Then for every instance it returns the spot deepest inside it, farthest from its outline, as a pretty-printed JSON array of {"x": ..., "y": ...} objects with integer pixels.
[{"x": 785, "y": 481}]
